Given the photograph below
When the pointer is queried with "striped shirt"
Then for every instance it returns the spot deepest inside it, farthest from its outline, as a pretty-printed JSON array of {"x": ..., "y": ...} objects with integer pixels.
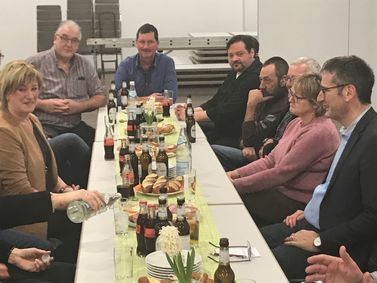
[{"x": 80, "y": 83}]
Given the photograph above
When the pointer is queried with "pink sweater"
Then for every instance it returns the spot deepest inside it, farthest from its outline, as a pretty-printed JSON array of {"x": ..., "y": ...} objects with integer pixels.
[{"x": 297, "y": 164}]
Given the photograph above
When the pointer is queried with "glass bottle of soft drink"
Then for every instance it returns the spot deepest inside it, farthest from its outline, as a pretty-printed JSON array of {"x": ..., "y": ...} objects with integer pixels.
[
  {"x": 134, "y": 159},
  {"x": 140, "y": 225},
  {"x": 149, "y": 231},
  {"x": 183, "y": 154},
  {"x": 132, "y": 95},
  {"x": 109, "y": 143},
  {"x": 122, "y": 154},
  {"x": 224, "y": 273}
]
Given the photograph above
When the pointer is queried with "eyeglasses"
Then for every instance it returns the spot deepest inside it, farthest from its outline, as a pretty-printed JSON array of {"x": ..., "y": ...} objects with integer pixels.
[
  {"x": 326, "y": 89},
  {"x": 66, "y": 40},
  {"x": 295, "y": 96}
]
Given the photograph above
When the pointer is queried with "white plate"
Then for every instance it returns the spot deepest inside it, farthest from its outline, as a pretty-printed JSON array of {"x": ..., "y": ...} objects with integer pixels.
[{"x": 158, "y": 259}]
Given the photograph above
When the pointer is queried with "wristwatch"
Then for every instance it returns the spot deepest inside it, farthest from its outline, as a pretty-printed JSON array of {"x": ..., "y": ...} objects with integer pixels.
[{"x": 317, "y": 242}]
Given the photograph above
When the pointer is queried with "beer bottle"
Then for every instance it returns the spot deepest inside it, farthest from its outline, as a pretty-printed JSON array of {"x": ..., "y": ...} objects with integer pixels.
[
  {"x": 149, "y": 231},
  {"x": 162, "y": 159},
  {"x": 182, "y": 224},
  {"x": 145, "y": 159},
  {"x": 189, "y": 105},
  {"x": 164, "y": 194},
  {"x": 134, "y": 159},
  {"x": 109, "y": 143},
  {"x": 111, "y": 104},
  {"x": 162, "y": 217},
  {"x": 224, "y": 273},
  {"x": 140, "y": 225},
  {"x": 124, "y": 95},
  {"x": 122, "y": 154},
  {"x": 190, "y": 124}
]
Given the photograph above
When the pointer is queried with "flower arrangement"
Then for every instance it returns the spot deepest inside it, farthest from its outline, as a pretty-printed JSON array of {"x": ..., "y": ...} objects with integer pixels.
[
  {"x": 171, "y": 245},
  {"x": 149, "y": 110}
]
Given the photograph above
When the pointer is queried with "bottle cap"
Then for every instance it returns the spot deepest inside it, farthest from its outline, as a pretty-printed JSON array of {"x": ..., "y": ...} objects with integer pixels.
[
  {"x": 163, "y": 190},
  {"x": 161, "y": 200},
  {"x": 224, "y": 242},
  {"x": 180, "y": 200}
]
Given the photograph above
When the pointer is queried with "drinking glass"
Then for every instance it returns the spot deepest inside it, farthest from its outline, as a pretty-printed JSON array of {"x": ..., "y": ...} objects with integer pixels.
[
  {"x": 121, "y": 217},
  {"x": 123, "y": 261}
]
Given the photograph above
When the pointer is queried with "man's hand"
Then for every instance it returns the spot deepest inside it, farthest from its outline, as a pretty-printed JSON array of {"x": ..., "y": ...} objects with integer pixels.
[
  {"x": 233, "y": 175},
  {"x": 255, "y": 97},
  {"x": 249, "y": 153},
  {"x": 74, "y": 106},
  {"x": 4, "y": 274},
  {"x": 303, "y": 239},
  {"x": 331, "y": 269},
  {"x": 268, "y": 141},
  {"x": 292, "y": 219},
  {"x": 53, "y": 105},
  {"x": 30, "y": 259}
]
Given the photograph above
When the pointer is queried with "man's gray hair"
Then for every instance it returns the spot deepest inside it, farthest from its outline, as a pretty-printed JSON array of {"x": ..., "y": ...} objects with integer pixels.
[
  {"x": 312, "y": 66},
  {"x": 71, "y": 24}
]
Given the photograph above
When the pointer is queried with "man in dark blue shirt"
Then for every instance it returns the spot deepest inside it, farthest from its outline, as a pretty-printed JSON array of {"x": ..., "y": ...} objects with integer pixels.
[{"x": 152, "y": 72}]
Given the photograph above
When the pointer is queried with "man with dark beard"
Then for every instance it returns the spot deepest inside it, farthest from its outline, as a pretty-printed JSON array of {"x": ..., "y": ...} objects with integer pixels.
[
  {"x": 221, "y": 117},
  {"x": 265, "y": 109}
]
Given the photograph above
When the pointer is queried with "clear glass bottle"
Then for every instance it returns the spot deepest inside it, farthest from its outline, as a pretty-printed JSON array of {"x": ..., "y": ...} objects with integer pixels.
[
  {"x": 132, "y": 95},
  {"x": 224, "y": 273},
  {"x": 183, "y": 154},
  {"x": 79, "y": 210}
]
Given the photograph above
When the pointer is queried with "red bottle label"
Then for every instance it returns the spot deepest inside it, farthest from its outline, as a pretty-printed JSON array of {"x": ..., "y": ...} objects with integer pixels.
[
  {"x": 149, "y": 233},
  {"x": 108, "y": 141},
  {"x": 138, "y": 228}
]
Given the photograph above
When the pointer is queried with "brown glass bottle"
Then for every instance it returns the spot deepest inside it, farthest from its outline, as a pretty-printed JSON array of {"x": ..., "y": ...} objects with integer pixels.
[
  {"x": 124, "y": 95},
  {"x": 162, "y": 159},
  {"x": 149, "y": 231},
  {"x": 162, "y": 218},
  {"x": 224, "y": 273},
  {"x": 134, "y": 160},
  {"x": 182, "y": 224},
  {"x": 190, "y": 125},
  {"x": 111, "y": 104},
  {"x": 164, "y": 194},
  {"x": 145, "y": 159},
  {"x": 140, "y": 225}
]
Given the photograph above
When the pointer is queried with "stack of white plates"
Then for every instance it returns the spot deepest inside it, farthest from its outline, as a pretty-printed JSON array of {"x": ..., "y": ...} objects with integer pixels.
[{"x": 158, "y": 266}]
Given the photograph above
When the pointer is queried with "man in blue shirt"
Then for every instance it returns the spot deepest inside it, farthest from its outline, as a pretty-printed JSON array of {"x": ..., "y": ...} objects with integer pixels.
[
  {"x": 343, "y": 209},
  {"x": 151, "y": 71}
]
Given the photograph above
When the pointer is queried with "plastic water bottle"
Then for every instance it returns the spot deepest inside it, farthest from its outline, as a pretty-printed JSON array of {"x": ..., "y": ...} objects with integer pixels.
[
  {"x": 132, "y": 95},
  {"x": 183, "y": 153},
  {"x": 79, "y": 210}
]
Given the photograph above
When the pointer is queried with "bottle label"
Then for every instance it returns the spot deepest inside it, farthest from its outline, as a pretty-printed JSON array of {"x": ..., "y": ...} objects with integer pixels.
[
  {"x": 224, "y": 256},
  {"x": 112, "y": 114},
  {"x": 182, "y": 167},
  {"x": 193, "y": 131},
  {"x": 149, "y": 233},
  {"x": 185, "y": 242},
  {"x": 124, "y": 100},
  {"x": 109, "y": 141},
  {"x": 161, "y": 169},
  {"x": 189, "y": 111}
]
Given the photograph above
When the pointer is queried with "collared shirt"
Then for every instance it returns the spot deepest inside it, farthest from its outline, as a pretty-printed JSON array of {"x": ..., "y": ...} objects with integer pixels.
[
  {"x": 160, "y": 76},
  {"x": 80, "y": 83},
  {"x": 313, "y": 207}
]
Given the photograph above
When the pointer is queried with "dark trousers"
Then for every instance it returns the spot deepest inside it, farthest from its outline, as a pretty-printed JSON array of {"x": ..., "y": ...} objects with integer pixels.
[
  {"x": 72, "y": 156},
  {"x": 214, "y": 137},
  {"x": 292, "y": 260},
  {"x": 83, "y": 130},
  {"x": 57, "y": 273},
  {"x": 270, "y": 206}
]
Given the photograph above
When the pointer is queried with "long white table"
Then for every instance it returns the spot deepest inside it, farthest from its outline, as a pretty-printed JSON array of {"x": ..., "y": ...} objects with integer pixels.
[{"x": 95, "y": 260}]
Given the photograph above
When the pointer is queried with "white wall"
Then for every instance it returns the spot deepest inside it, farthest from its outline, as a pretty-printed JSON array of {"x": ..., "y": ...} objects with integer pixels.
[
  {"x": 18, "y": 32},
  {"x": 320, "y": 29},
  {"x": 18, "y": 26}
]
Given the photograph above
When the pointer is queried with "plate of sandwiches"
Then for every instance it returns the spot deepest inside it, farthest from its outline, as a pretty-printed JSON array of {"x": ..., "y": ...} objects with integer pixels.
[
  {"x": 165, "y": 129},
  {"x": 152, "y": 183}
]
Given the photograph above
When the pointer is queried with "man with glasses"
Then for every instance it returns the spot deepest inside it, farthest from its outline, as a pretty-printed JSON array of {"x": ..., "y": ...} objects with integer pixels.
[
  {"x": 70, "y": 85},
  {"x": 264, "y": 110},
  {"x": 343, "y": 209},
  {"x": 151, "y": 71}
]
